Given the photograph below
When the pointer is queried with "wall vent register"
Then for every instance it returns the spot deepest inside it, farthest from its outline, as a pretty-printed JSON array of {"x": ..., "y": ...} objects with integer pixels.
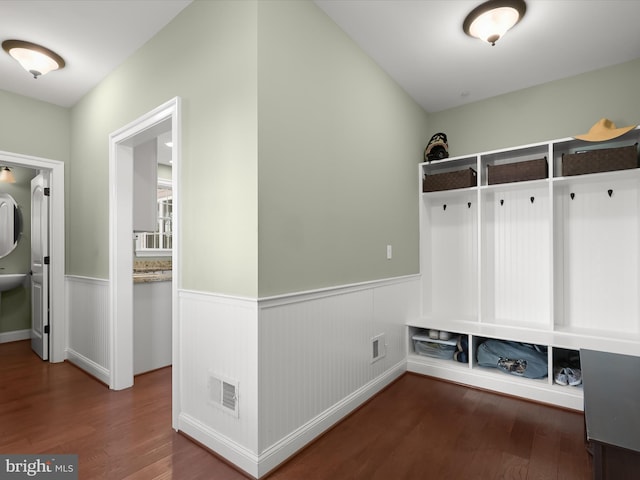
[{"x": 223, "y": 393}]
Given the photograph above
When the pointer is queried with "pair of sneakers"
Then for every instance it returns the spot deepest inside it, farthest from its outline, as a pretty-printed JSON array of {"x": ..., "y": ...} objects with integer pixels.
[
  {"x": 568, "y": 376},
  {"x": 439, "y": 335}
]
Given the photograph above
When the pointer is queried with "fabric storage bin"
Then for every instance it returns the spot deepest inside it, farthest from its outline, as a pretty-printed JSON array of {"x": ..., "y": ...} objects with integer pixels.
[
  {"x": 449, "y": 180},
  {"x": 602, "y": 160},
  {"x": 520, "y": 359},
  {"x": 435, "y": 350},
  {"x": 518, "y": 171}
]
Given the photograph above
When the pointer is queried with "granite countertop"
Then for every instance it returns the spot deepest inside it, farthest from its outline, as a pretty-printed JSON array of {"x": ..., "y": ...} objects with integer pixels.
[{"x": 145, "y": 271}]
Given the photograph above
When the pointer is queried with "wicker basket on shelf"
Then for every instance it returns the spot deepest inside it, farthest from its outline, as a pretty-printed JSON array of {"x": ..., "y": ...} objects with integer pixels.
[{"x": 449, "y": 180}]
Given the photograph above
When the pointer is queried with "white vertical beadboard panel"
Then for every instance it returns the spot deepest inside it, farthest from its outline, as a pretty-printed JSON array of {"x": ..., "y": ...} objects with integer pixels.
[
  {"x": 315, "y": 350},
  {"x": 312, "y": 355},
  {"x": 425, "y": 255},
  {"x": 601, "y": 257},
  {"x": 488, "y": 255},
  {"x": 522, "y": 269},
  {"x": 219, "y": 335},
  {"x": 453, "y": 274},
  {"x": 394, "y": 306},
  {"x": 560, "y": 198},
  {"x": 88, "y": 324},
  {"x": 302, "y": 361}
]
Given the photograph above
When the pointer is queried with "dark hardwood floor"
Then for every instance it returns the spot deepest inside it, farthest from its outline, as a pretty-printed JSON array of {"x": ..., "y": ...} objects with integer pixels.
[{"x": 418, "y": 428}]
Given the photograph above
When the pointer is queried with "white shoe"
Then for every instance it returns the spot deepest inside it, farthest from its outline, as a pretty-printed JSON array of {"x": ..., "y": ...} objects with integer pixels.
[
  {"x": 574, "y": 376},
  {"x": 561, "y": 377},
  {"x": 444, "y": 335}
]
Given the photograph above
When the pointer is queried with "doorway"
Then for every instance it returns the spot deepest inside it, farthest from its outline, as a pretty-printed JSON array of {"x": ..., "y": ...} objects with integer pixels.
[
  {"x": 121, "y": 144},
  {"x": 54, "y": 169}
]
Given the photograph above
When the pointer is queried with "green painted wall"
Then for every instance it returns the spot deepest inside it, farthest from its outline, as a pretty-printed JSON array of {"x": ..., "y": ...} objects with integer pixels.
[
  {"x": 15, "y": 304},
  {"x": 336, "y": 151},
  {"x": 339, "y": 143},
  {"x": 39, "y": 129},
  {"x": 208, "y": 57},
  {"x": 35, "y": 128},
  {"x": 164, "y": 172},
  {"x": 558, "y": 109}
]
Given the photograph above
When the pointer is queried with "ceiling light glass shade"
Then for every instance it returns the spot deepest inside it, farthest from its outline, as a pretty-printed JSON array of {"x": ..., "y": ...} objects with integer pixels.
[
  {"x": 35, "y": 59},
  {"x": 6, "y": 175},
  {"x": 491, "y": 20}
]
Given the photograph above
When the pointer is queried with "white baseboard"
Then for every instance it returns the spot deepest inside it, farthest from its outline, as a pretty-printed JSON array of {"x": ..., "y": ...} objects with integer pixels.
[
  {"x": 89, "y": 366},
  {"x": 259, "y": 465},
  {"x": 15, "y": 336},
  {"x": 228, "y": 449}
]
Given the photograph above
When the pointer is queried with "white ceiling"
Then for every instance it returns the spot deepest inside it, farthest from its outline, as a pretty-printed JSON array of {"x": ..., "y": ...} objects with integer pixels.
[
  {"x": 93, "y": 37},
  {"x": 420, "y": 43}
]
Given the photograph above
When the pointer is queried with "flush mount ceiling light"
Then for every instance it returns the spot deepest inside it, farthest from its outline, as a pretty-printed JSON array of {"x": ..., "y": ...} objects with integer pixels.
[
  {"x": 491, "y": 20},
  {"x": 6, "y": 175},
  {"x": 35, "y": 59}
]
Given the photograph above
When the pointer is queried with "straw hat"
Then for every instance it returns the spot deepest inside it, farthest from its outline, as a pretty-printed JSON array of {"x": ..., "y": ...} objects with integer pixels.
[{"x": 605, "y": 129}]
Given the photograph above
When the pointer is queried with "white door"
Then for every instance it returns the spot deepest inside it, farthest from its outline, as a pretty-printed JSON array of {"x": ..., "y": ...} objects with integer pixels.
[{"x": 39, "y": 267}]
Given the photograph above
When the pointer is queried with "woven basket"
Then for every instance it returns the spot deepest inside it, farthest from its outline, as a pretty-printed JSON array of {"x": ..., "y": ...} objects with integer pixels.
[
  {"x": 517, "y": 171},
  {"x": 449, "y": 180},
  {"x": 603, "y": 160}
]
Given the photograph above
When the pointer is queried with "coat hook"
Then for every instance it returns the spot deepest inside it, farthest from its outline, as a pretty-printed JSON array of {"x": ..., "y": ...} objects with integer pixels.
[
  {"x": 468, "y": 204},
  {"x": 444, "y": 207},
  {"x": 501, "y": 201},
  {"x": 572, "y": 195},
  {"x": 532, "y": 199},
  {"x": 610, "y": 192}
]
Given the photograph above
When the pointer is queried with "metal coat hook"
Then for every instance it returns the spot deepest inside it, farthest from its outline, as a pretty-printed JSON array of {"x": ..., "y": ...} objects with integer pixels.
[
  {"x": 468, "y": 204},
  {"x": 501, "y": 201},
  {"x": 532, "y": 199},
  {"x": 610, "y": 192},
  {"x": 444, "y": 207},
  {"x": 572, "y": 195}
]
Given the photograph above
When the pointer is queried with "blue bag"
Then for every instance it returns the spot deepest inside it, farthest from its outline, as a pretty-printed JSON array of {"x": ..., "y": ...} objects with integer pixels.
[{"x": 521, "y": 359}]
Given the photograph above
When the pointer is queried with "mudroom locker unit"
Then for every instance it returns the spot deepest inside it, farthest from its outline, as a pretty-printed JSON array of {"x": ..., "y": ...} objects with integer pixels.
[{"x": 536, "y": 251}]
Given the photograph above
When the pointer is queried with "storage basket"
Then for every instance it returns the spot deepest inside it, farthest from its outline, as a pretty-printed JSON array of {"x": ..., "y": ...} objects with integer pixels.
[
  {"x": 602, "y": 160},
  {"x": 449, "y": 180},
  {"x": 517, "y": 171},
  {"x": 435, "y": 350}
]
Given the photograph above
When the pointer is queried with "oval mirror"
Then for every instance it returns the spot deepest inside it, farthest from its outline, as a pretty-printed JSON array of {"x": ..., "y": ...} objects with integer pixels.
[{"x": 10, "y": 224}]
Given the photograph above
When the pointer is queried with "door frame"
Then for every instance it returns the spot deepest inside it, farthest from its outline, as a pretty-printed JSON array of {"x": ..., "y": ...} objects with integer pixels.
[
  {"x": 121, "y": 143},
  {"x": 58, "y": 333}
]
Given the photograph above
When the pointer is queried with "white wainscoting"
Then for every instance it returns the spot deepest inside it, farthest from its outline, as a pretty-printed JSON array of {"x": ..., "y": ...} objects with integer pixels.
[
  {"x": 302, "y": 362},
  {"x": 88, "y": 325},
  {"x": 219, "y": 336}
]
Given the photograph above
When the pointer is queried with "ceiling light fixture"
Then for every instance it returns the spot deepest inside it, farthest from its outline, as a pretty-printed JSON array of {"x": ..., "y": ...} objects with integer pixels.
[
  {"x": 6, "y": 175},
  {"x": 491, "y": 20},
  {"x": 35, "y": 59}
]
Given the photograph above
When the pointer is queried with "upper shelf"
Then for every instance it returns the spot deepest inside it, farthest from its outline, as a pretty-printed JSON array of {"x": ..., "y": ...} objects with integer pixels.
[{"x": 554, "y": 152}]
